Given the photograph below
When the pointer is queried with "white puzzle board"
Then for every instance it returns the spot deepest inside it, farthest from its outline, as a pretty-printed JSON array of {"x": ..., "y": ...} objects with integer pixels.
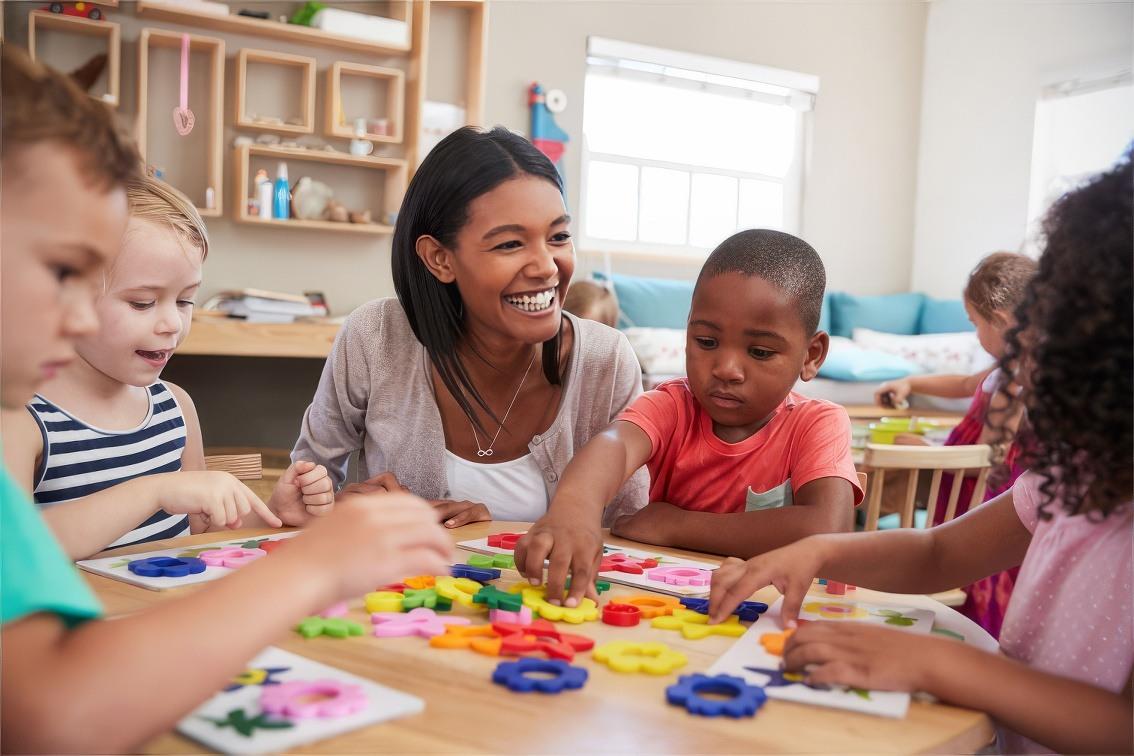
[
  {"x": 116, "y": 567},
  {"x": 481, "y": 546},
  {"x": 238, "y": 707}
]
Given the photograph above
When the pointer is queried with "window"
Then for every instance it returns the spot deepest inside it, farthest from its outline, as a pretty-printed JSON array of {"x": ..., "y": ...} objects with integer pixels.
[{"x": 681, "y": 150}]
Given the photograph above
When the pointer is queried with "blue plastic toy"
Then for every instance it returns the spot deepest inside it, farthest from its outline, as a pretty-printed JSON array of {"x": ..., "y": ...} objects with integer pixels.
[
  {"x": 514, "y": 676},
  {"x": 748, "y": 611},
  {"x": 744, "y": 699},
  {"x": 166, "y": 567},
  {"x": 479, "y": 574}
]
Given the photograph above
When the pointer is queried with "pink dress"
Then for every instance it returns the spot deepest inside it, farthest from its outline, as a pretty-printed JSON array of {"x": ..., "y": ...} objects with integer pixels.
[
  {"x": 1072, "y": 613},
  {"x": 986, "y": 600}
]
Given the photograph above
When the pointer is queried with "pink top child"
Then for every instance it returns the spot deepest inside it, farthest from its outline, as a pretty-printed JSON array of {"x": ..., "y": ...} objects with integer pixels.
[{"x": 1072, "y": 611}]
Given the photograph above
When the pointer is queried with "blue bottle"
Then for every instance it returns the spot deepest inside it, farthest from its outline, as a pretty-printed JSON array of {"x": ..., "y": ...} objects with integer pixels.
[{"x": 281, "y": 205}]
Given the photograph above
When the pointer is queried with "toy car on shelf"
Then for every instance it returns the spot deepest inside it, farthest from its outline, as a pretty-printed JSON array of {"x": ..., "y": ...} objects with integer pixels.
[{"x": 83, "y": 10}]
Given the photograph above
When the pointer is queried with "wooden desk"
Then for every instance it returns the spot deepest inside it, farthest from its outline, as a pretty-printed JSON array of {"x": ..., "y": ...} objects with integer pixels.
[
  {"x": 465, "y": 712},
  {"x": 230, "y": 337}
]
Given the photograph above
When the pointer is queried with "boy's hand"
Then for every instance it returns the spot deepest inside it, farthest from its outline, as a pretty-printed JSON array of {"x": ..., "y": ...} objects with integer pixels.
[
  {"x": 893, "y": 393},
  {"x": 372, "y": 540},
  {"x": 454, "y": 514},
  {"x": 790, "y": 569},
  {"x": 303, "y": 491},
  {"x": 568, "y": 545},
  {"x": 866, "y": 656},
  {"x": 217, "y": 499},
  {"x": 654, "y": 523}
]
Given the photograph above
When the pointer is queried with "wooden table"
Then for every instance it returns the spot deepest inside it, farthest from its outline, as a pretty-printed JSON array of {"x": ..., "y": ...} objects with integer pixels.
[{"x": 465, "y": 712}]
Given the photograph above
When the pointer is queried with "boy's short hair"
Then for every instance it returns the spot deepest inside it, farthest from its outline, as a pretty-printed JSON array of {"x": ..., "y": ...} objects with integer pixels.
[
  {"x": 39, "y": 104},
  {"x": 785, "y": 261},
  {"x": 588, "y": 299},
  {"x": 153, "y": 200},
  {"x": 998, "y": 282}
]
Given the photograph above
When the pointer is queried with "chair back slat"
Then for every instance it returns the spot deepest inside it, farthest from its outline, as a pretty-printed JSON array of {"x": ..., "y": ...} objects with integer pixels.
[{"x": 880, "y": 458}]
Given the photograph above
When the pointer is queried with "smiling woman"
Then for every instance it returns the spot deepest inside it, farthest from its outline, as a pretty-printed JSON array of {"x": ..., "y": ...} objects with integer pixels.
[{"x": 436, "y": 388}]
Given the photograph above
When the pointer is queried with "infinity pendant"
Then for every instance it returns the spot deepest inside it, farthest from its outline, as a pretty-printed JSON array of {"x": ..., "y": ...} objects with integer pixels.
[{"x": 484, "y": 453}]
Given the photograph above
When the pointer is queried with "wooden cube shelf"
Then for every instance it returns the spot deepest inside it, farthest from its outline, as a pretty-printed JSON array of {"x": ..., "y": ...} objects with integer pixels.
[
  {"x": 203, "y": 145},
  {"x": 67, "y": 60},
  {"x": 392, "y": 189},
  {"x": 251, "y": 95},
  {"x": 392, "y": 86}
]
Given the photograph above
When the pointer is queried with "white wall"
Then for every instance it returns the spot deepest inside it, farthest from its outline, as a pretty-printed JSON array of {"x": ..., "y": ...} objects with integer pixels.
[
  {"x": 985, "y": 63},
  {"x": 858, "y": 197}
]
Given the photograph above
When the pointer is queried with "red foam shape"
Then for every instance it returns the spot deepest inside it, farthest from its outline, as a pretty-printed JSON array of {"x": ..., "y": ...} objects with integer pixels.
[
  {"x": 836, "y": 589},
  {"x": 270, "y": 546},
  {"x": 621, "y": 615},
  {"x": 395, "y": 587},
  {"x": 505, "y": 540},
  {"x": 623, "y": 563},
  {"x": 540, "y": 636}
]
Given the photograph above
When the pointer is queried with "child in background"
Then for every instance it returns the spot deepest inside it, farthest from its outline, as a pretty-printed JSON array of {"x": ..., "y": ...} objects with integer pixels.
[
  {"x": 71, "y": 682},
  {"x": 995, "y": 289},
  {"x": 592, "y": 301},
  {"x": 1063, "y": 678},
  {"x": 739, "y": 464},
  {"x": 106, "y": 420}
]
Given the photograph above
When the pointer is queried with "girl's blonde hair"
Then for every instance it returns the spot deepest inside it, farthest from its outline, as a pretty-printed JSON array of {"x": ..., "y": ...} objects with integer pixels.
[
  {"x": 153, "y": 200},
  {"x": 587, "y": 299}
]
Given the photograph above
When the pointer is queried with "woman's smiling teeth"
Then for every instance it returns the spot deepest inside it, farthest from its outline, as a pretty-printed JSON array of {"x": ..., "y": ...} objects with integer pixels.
[{"x": 532, "y": 302}]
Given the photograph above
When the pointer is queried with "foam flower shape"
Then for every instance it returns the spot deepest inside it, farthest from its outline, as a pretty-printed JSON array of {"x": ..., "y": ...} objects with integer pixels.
[
  {"x": 623, "y": 563},
  {"x": 680, "y": 575},
  {"x": 514, "y": 676},
  {"x": 323, "y": 699},
  {"x": 649, "y": 604},
  {"x": 535, "y": 598},
  {"x": 421, "y": 622},
  {"x": 231, "y": 557},
  {"x": 384, "y": 601},
  {"x": 742, "y": 699},
  {"x": 163, "y": 566},
  {"x": 835, "y": 611},
  {"x": 748, "y": 611},
  {"x": 694, "y": 626},
  {"x": 773, "y": 643},
  {"x": 426, "y": 598},
  {"x": 651, "y": 658}
]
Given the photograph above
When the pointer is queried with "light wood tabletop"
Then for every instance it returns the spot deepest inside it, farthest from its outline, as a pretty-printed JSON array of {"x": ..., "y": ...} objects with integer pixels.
[{"x": 465, "y": 712}]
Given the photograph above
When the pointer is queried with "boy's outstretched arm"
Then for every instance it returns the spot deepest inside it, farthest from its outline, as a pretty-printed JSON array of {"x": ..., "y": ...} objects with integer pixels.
[
  {"x": 825, "y": 505},
  {"x": 570, "y": 535},
  {"x": 107, "y": 686}
]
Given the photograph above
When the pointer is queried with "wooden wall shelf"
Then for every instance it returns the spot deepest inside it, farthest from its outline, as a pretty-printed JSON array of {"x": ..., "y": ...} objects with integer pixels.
[
  {"x": 391, "y": 79},
  {"x": 211, "y": 120},
  {"x": 303, "y": 35},
  {"x": 301, "y": 64},
  {"x": 394, "y": 169},
  {"x": 229, "y": 337},
  {"x": 39, "y": 20}
]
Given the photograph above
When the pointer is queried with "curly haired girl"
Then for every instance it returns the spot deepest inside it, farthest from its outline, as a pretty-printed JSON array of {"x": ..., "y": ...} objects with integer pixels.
[{"x": 1063, "y": 678}]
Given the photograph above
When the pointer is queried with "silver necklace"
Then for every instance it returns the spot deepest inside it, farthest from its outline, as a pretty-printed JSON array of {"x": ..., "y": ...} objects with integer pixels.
[{"x": 488, "y": 452}]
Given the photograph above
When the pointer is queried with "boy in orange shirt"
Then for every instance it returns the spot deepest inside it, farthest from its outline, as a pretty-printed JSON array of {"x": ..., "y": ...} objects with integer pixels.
[{"x": 739, "y": 464}]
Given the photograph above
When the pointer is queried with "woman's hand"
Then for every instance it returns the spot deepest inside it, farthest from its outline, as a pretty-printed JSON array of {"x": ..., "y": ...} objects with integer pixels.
[
  {"x": 454, "y": 514},
  {"x": 866, "y": 656},
  {"x": 381, "y": 483}
]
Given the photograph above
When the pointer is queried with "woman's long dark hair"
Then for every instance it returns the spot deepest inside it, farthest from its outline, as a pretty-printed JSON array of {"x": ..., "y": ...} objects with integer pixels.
[
  {"x": 1074, "y": 340},
  {"x": 463, "y": 166}
]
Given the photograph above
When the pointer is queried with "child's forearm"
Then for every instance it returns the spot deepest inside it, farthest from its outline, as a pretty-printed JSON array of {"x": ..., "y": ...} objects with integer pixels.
[
  {"x": 1062, "y": 714},
  {"x": 945, "y": 386},
  {"x": 145, "y": 658},
  {"x": 88, "y": 525},
  {"x": 595, "y": 474}
]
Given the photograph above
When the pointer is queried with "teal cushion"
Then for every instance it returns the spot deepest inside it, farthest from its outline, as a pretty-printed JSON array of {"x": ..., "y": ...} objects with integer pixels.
[
  {"x": 849, "y": 363},
  {"x": 944, "y": 316},
  {"x": 651, "y": 302},
  {"x": 889, "y": 313},
  {"x": 825, "y": 314},
  {"x": 893, "y": 521}
]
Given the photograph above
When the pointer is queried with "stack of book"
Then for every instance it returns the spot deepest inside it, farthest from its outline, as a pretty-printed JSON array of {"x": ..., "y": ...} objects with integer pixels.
[{"x": 258, "y": 306}]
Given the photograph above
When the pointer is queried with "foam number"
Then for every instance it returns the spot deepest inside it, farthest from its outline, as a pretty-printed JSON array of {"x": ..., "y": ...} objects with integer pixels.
[{"x": 323, "y": 699}]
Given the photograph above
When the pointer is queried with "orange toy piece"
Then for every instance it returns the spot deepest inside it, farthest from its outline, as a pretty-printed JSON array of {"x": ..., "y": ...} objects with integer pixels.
[
  {"x": 481, "y": 638},
  {"x": 420, "y": 582},
  {"x": 539, "y": 636},
  {"x": 650, "y": 605},
  {"x": 773, "y": 643}
]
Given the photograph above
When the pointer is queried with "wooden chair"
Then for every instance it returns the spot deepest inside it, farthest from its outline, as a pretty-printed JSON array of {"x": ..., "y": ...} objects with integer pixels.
[
  {"x": 880, "y": 458},
  {"x": 243, "y": 466}
]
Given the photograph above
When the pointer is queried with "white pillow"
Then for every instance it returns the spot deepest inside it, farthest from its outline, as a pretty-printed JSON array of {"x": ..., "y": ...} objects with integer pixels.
[
  {"x": 933, "y": 352},
  {"x": 659, "y": 350}
]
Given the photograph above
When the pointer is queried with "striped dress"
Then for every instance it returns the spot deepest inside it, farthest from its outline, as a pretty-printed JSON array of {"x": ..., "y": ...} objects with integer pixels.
[{"x": 79, "y": 460}]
